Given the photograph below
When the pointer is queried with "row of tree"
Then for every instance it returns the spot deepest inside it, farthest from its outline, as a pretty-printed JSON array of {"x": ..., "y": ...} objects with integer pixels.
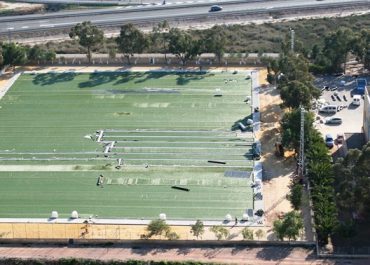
[
  {"x": 352, "y": 185},
  {"x": 347, "y": 186},
  {"x": 131, "y": 40},
  {"x": 15, "y": 54},
  {"x": 332, "y": 57},
  {"x": 161, "y": 228},
  {"x": 291, "y": 74},
  {"x": 327, "y": 59}
]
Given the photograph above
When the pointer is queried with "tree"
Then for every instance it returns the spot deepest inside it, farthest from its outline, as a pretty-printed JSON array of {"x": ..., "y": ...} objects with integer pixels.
[
  {"x": 198, "y": 228},
  {"x": 112, "y": 53},
  {"x": 291, "y": 126},
  {"x": 320, "y": 175},
  {"x": 158, "y": 227},
  {"x": 183, "y": 45},
  {"x": 13, "y": 54},
  {"x": 160, "y": 33},
  {"x": 1, "y": 55},
  {"x": 295, "y": 196},
  {"x": 289, "y": 227},
  {"x": 294, "y": 67},
  {"x": 88, "y": 36},
  {"x": 215, "y": 42},
  {"x": 259, "y": 233},
  {"x": 50, "y": 56},
  {"x": 36, "y": 54},
  {"x": 220, "y": 232},
  {"x": 336, "y": 47},
  {"x": 352, "y": 182},
  {"x": 131, "y": 40},
  {"x": 296, "y": 93},
  {"x": 278, "y": 229},
  {"x": 247, "y": 233},
  {"x": 273, "y": 70}
]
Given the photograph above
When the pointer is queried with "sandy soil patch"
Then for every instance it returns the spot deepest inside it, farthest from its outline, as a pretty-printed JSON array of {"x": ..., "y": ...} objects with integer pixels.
[
  {"x": 278, "y": 171},
  {"x": 19, "y": 6}
]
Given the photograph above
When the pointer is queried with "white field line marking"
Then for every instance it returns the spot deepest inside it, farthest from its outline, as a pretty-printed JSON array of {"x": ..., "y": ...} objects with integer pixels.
[
  {"x": 166, "y": 136},
  {"x": 10, "y": 82},
  {"x": 162, "y": 147}
]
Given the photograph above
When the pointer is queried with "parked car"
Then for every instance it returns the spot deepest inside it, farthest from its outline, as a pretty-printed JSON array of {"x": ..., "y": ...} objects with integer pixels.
[
  {"x": 338, "y": 74},
  {"x": 329, "y": 140},
  {"x": 333, "y": 120},
  {"x": 215, "y": 8},
  {"x": 340, "y": 138},
  {"x": 333, "y": 88},
  {"x": 329, "y": 109},
  {"x": 356, "y": 100}
]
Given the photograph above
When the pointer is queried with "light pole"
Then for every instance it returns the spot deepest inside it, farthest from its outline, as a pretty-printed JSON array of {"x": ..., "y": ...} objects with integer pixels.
[
  {"x": 363, "y": 58},
  {"x": 292, "y": 33},
  {"x": 10, "y": 34}
]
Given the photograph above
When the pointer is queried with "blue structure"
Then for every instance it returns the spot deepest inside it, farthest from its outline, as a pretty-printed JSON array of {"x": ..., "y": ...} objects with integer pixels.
[{"x": 361, "y": 86}]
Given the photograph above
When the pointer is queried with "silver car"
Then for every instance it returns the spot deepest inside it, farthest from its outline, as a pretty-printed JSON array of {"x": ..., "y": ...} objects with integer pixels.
[{"x": 333, "y": 120}]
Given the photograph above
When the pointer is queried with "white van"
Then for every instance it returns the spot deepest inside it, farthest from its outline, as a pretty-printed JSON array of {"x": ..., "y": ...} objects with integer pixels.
[
  {"x": 356, "y": 100},
  {"x": 329, "y": 109}
]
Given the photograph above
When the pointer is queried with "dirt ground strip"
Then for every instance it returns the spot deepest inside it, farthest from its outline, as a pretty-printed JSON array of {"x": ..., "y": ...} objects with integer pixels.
[
  {"x": 275, "y": 188},
  {"x": 278, "y": 171},
  {"x": 232, "y": 255}
]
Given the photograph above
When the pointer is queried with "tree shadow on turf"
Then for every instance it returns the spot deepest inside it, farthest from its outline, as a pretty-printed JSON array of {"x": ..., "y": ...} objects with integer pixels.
[
  {"x": 52, "y": 78},
  {"x": 185, "y": 78},
  {"x": 236, "y": 126},
  {"x": 97, "y": 79},
  {"x": 152, "y": 75},
  {"x": 129, "y": 76}
]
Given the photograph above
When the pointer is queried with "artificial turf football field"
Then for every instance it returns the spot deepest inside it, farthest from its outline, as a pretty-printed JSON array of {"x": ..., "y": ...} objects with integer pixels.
[{"x": 169, "y": 129}]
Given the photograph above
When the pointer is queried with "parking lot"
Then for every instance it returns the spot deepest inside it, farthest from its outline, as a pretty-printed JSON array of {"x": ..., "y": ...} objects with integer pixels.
[{"x": 351, "y": 115}]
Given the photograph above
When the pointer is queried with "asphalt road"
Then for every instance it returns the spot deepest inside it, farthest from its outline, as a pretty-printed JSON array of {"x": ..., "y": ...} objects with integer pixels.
[{"x": 116, "y": 16}]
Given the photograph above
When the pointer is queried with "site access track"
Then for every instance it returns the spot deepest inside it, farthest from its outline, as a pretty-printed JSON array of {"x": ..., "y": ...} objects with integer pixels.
[{"x": 237, "y": 255}]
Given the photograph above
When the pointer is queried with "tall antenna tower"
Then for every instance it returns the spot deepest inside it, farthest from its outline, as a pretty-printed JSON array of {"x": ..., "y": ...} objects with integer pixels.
[{"x": 301, "y": 146}]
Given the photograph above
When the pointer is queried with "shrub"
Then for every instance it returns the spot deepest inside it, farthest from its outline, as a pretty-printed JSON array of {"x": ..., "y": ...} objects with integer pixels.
[
  {"x": 197, "y": 229},
  {"x": 220, "y": 232},
  {"x": 158, "y": 227},
  {"x": 295, "y": 196},
  {"x": 247, "y": 234}
]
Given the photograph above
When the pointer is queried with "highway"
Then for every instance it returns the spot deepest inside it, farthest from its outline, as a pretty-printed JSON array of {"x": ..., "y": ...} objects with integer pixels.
[{"x": 114, "y": 16}]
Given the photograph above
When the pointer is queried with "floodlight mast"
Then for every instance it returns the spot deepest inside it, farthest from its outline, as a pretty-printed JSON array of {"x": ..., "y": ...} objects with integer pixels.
[
  {"x": 301, "y": 146},
  {"x": 292, "y": 33}
]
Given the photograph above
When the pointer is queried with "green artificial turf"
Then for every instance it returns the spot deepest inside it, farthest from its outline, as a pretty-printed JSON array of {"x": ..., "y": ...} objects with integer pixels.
[
  {"x": 211, "y": 195},
  {"x": 167, "y": 125}
]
